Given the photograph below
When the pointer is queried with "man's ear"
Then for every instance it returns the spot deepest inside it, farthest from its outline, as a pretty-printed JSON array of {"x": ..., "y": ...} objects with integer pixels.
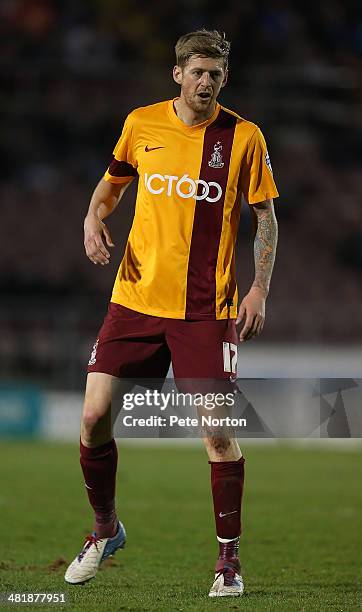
[
  {"x": 225, "y": 79},
  {"x": 177, "y": 74}
]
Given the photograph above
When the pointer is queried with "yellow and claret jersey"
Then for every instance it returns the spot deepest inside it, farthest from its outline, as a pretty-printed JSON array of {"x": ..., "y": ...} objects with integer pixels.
[{"x": 179, "y": 260}]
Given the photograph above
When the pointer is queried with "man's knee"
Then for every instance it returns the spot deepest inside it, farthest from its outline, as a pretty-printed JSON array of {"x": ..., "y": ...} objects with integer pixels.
[
  {"x": 222, "y": 447},
  {"x": 96, "y": 417},
  {"x": 92, "y": 419},
  {"x": 95, "y": 422},
  {"x": 219, "y": 444}
]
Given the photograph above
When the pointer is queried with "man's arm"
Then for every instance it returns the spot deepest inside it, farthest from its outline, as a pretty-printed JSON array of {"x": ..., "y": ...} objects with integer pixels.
[
  {"x": 105, "y": 198},
  {"x": 265, "y": 242}
]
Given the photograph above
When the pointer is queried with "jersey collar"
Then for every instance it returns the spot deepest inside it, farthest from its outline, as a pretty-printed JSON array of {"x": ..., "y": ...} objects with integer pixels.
[{"x": 190, "y": 128}]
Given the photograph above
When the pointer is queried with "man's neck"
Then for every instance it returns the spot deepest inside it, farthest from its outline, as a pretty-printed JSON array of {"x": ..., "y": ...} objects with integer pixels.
[{"x": 188, "y": 115}]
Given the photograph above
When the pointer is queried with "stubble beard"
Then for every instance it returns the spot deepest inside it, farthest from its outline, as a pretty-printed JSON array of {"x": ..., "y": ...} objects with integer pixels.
[{"x": 199, "y": 107}]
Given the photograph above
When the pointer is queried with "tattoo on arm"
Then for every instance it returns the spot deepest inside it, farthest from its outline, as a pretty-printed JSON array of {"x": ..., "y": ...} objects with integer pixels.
[{"x": 265, "y": 243}]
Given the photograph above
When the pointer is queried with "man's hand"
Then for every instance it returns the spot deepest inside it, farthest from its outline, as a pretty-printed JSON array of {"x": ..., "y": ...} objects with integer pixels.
[
  {"x": 95, "y": 233},
  {"x": 252, "y": 309}
]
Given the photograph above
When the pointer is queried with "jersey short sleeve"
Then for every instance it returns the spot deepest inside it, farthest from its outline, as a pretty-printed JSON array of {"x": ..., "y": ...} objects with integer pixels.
[
  {"x": 257, "y": 181},
  {"x": 123, "y": 165}
]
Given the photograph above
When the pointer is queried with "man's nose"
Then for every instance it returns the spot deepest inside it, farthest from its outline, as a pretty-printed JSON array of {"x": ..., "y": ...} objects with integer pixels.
[{"x": 205, "y": 78}]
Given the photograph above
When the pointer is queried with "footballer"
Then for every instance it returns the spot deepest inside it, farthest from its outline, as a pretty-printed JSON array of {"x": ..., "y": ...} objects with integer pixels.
[{"x": 175, "y": 296}]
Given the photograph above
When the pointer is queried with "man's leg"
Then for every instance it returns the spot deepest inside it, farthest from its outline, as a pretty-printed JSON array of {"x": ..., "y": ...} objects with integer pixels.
[
  {"x": 227, "y": 482},
  {"x": 98, "y": 458},
  {"x": 98, "y": 452},
  {"x": 129, "y": 346},
  {"x": 204, "y": 356}
]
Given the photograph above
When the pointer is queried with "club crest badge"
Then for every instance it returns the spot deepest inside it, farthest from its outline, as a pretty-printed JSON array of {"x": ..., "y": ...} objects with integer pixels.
[
  {"x": 216, "y": 156},
  {"x": 93, "y": 359}
]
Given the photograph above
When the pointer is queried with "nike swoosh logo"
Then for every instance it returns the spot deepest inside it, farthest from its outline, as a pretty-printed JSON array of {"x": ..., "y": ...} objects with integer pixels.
[
  {"x": 148, "y": 149},
  {"x": 222, "y": 514}
]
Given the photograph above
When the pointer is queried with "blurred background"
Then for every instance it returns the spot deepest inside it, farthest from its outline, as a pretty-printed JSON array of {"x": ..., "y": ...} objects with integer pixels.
[{"x": 71, "y": 71}]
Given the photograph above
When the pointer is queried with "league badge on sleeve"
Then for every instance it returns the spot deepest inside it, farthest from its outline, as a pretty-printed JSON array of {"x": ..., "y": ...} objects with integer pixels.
[{"x": 268, "y": 163}]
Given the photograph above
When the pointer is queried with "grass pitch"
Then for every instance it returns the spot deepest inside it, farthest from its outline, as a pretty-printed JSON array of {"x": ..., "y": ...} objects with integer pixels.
[{"x": 302, "y": 516}]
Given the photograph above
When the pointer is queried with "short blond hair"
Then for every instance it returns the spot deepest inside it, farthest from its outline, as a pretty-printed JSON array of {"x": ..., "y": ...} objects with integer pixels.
[{"x": 208, "y": 43}]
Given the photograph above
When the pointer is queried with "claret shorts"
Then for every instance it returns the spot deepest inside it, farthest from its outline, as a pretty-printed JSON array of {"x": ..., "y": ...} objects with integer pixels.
[{"x": 135, "y": 345}]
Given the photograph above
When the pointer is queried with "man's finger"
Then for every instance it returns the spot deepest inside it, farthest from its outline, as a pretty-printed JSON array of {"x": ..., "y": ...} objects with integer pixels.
[
  {"x": 260, "y": 326},
  {"x": 99, "y": 258},
  {"x": 94, "y": 245},
  {"x": 254, "y": 328},
  {"x": 102, "y": 250},
  {"x": 250, "y": 333},
  {"x": 247, "y": 327},
  {"x": 107, "y": 236},
  {"x": 241, "y": 314},
  {"x": 94, "y": 253}
]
